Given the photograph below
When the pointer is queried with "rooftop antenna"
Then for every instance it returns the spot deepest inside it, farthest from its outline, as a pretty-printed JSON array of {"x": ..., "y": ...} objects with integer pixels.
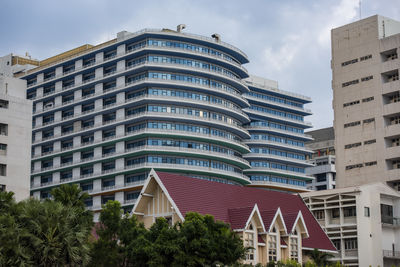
[{"x": 359, "y": 5}]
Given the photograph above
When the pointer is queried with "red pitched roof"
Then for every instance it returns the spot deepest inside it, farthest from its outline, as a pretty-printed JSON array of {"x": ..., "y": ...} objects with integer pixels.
[
  {"x": 238, "y": 217},
  {"x": 224, "y": 202},
  {"x": 290, "y": 218},
  {"x": 267, "y": 217}
]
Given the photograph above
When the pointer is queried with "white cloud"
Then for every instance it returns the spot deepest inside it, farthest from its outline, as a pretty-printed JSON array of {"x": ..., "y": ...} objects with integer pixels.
[
  {"x": 281, "y": 57},
  {"x": 340, "y": 15}
]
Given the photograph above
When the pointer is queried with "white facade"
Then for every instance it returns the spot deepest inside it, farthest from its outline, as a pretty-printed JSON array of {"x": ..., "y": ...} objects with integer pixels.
[
  {"x": 323, "y": 158},
  {"x": 366, "y": 95},
  {"x": 15, "y": 137},
  {"x": 363, "y": 223}
]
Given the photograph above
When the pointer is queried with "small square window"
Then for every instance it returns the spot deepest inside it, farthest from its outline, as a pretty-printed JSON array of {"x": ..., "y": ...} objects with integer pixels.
[{"x": 366, "y": 212}]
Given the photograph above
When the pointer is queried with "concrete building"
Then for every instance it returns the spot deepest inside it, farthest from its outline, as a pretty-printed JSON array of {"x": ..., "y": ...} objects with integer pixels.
[
  {"x": 366, "y": 94},
  {"x": 104, "y": 115},
  {"x": 277, "y": 225},
  {"x": 363, "y": 222},
  {"x": 278, "y": 155},
  {"x": 323, "y": 159},
  {"x": 15, "y": 137}
]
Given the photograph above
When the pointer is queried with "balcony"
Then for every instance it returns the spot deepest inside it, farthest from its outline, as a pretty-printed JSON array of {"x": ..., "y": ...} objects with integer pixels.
[
  {"x": 304, "y": 124},
  {"x": 270, "y": 143},
  {"x": 392, "y": 254},
  {"x": 390, "y": 221},
  {"x": 237, "y": 161},
  {"x": 279, "y": 131},
  {"x": 291, "y": 108},
  {"x": 278, "y": 172},
  {"x": 278, "y": 158}
]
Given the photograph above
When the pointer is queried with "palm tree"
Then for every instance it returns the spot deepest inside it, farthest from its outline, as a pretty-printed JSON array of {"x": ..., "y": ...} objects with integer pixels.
[
  {"x": 56, "y": 238},
  {"x": 320, "y": 258},
  {"x": 70, "y": 195}
]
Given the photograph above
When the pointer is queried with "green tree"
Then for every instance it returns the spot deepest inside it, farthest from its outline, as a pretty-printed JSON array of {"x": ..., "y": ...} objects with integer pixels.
[
  {"x": 318, "y": 257},
  {"x": 47, "y": 233},
  {"x": 207, "y": 242}
]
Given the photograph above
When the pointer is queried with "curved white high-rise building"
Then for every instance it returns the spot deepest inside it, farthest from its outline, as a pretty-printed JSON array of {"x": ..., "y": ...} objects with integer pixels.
[{"x": 105, "y": 115}]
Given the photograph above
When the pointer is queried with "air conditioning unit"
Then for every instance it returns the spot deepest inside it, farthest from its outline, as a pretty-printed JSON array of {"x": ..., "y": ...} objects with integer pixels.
[{"x": 48, "y": 105}]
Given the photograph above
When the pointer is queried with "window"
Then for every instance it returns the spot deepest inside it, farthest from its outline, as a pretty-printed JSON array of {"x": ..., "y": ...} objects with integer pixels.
[
  {"x": 321, "y": 187},
  {"x": 371, "y": 163},
  {"x": 355, "y": 166},
  {"x": 249, "y": 242},
  {"x": 89, "y": 202},
  {"x": 364, "y": 79},
  {"x": 3, "y": 103},
  {"x": 87, "y": 92},
  {"x": 108, "y": 150},
  {"x": 294, "y": 248},
  {"x": 319, "y": 214},
  {"x": 352, "y": 145},
  {"x": 87, "y": 139},
  {"x": 337, "y": 243},
  {"x": 67, "y": 144},
  {"x": 368, "y": 99},
  {"x": 387, "y": 213},
  {"x": 394, "y": 98},
  {"x": 272, "y": 247},
  {"x": 351, "y": 103},
  {"x": 86, "y": 155},
  {"x": 108, "y": 166},
  {"x": 3, "y": 169},
  {"x": 105, "y": 199},
  {"x": 352, "y": 61},
  {"x": 368, "y": 142},
  {"x": 350, "y": 243},
  {"x": 350, "y": 83},
  {"x": 87, "y": 187},
  {"x": 396, "y": 164},
  {"x": 3, "y": 149},
  {"x": 396, "y": 142},
  {"x": 67, "y": 98},
  {"x": 349, "y": 212},
  {"x": 66, "y": 175},
  {"x": 3, "y": 129},
  {"x": 321, "y": 177},
  {"x": 394, "y": 120},
  {"x": 365, "y": 57},
  {"x": 2, "y": 187},
  {"x": 351, "y": 124},
  {"x": 335, "y": 213},
  {"x": 86, "y": 170},
  {"x": 369, "y": 120},
  {"x": 366, "y": 212}
]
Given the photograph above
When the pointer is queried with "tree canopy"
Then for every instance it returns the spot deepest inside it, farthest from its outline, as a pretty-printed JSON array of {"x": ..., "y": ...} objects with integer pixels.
[{"x": 198, "y": 241}]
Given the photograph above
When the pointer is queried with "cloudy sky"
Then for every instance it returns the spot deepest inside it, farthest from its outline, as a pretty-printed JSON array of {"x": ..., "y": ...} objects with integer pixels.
[{"x": 285, "y": 40}]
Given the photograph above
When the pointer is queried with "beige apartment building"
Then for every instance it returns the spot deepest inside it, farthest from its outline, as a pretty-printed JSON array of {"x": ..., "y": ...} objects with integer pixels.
[
  {"x": 15, "y": 136},
  {"x": 366, "y": 97}
]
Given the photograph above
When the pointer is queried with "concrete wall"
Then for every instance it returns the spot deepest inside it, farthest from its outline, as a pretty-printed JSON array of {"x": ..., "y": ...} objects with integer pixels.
[{"x": 18, "y": 117}]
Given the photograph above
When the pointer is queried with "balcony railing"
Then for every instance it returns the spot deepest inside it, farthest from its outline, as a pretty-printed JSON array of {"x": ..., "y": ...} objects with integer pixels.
[
  {"x": 391, "y": 254},
  {"x": 394, "y": 221}
]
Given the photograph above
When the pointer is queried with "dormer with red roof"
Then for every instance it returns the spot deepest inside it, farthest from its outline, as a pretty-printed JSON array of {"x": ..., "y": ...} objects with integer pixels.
[{"x": 278, "y": 226}]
